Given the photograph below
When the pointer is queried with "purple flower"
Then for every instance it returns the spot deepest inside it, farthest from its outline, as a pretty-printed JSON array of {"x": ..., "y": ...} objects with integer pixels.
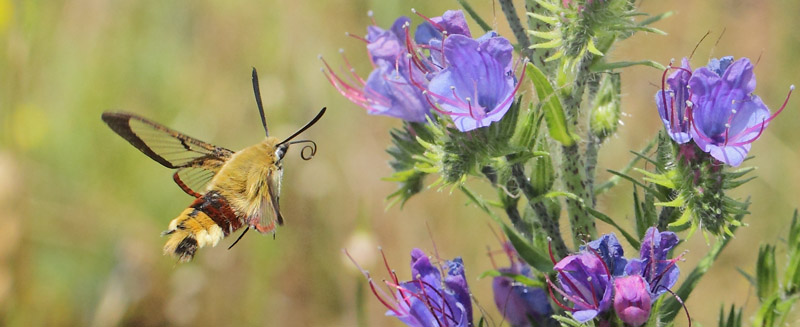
[
  {"x": 428, "y": 299},
  {"x": 725, "y": 116},
  {"x": 609, "y": 249},
  {"x": 388, "y": 90},
  {"x": 520, "y": 304},
  {"x": 586, "y": 282},
  {"x": 632, "y": 300},
  {"x": 452, "y": 22},
  {"x": 477, "y": 87},
  {"x": 658, "y": 271},
  {"x": 672, "y": 102}
]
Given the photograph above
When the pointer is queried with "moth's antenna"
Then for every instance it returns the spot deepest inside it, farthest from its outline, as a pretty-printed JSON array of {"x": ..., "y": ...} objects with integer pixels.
[
  {"x": 302, "y": 129},
  {"x": 257, "y": 92},
  {"x": 241, "y": 235}
]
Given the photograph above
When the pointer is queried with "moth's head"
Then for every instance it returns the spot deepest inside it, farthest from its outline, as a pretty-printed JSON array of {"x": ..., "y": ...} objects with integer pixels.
[{"x": 280, "y": 151}]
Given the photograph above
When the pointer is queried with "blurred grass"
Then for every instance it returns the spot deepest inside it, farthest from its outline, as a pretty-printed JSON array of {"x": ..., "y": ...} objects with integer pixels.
[{"x": 79, "y": 236}]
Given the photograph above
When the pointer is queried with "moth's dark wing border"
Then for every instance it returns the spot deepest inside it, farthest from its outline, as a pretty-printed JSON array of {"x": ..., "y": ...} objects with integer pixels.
[{"x": 168, "y": 147}]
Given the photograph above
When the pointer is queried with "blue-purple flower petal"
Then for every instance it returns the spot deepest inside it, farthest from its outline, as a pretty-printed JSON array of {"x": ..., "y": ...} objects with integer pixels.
[
  {"x": 671, "y": 104},
  {"x": 726, "y": 116},
  {"x": 389, "y": 92},
  {"x": 477, "y": 87},
  {"x": 586, "y": 282},
  {"x": 609, "y": 249},
  {"x": 653, "y": 264}
]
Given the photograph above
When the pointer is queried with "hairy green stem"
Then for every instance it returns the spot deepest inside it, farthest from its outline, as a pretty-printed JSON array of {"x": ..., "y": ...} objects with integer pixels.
[
  {"x": 665, "y": 217},
  {"x": 573, "y": 169},
  {"x": 516, "y": 26},
  {"x": 549, "y": 224},
  {"x": 593, "y": 144},
  {"x": 538, "y": 55}
]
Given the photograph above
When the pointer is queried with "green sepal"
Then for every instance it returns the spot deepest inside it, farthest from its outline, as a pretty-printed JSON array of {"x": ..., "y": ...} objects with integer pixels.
[
  {"x": 734, "y": 317},
  {"x": 766, "y": 272},
  {"x": 791, "y": 277}
]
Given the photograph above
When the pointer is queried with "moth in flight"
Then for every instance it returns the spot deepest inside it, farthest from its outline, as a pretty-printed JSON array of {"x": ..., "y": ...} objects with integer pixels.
[{"x": 231, "y": 189}]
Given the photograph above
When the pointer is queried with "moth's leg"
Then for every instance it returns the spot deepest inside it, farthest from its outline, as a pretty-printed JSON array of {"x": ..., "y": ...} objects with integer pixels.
[{"x": 182, "y": 185}]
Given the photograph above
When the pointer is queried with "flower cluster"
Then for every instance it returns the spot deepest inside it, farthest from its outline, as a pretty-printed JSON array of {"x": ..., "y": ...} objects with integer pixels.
[
  {"x": 429, "y": 299},
  {"x": 715, "y": 107},
  {"x": 599, "y": 276},
  {"x": 442, "y": 69}
]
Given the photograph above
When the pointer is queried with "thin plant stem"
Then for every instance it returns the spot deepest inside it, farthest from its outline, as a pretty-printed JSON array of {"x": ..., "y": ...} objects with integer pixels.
[{"x": 516, "y": 26}]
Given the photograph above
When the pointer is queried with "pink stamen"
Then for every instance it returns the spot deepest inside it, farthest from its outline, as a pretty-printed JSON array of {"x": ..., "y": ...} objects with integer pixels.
[
  {"x": 372, "y": 285},
  {"x": 349, "y": 92},
  {"x": 660, "y": 276},
  {"x": 550, "y": 287},
  {"x": 577, "y": 300},
  {"x": 575, "y": 289},
  {"x": 357, "y": 37},
  {"x": 413, "y": 51},
  {"x": 608, "y": 272},
  {"x": 439, "y": 27},
  {"x": 791, "y": 89},
  {"x": 372, "y": 18},
  {"x": 550, "y": 250},
  {"x": 352, "y": 70},
  {"x": 426, "y": 93}
]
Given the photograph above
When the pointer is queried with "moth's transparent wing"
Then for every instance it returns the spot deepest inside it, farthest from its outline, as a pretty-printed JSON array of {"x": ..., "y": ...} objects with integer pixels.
[
  {"x": 197, "y": 161},
  {"x": 270, "y": 206}
]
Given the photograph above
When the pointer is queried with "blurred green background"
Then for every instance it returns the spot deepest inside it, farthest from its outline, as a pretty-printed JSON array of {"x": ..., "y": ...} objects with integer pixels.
[{"x": 82, "y": 210}]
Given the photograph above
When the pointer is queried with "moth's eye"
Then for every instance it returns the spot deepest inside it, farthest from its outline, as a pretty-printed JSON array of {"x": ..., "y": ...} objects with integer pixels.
[{"x": 280, "y": 152}]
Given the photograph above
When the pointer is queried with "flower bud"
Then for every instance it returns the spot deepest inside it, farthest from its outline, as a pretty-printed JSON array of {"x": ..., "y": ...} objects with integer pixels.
[
  {"x": 632, "y": 300},
  {"x": 606, "y": 110}
]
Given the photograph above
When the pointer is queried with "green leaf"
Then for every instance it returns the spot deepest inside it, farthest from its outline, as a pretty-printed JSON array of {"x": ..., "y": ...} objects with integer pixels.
[
  {"x": 533, "y": 257},
  {"x": 474, "y": 15},
  {"x": 522, "y": 279},
  {"x": 551, "y": 105},
  {"x": 655, "y": 18},
  {"x": 601, "y": 66},
  {"x": 766, "y": 272},
  {"x": 672, "y": 306},
  {"x": 634, "y": 242},
  {"x": 649, "y": 189},
  {"x": 614, "y": 180},
  {"x": 747, "y": 276}
]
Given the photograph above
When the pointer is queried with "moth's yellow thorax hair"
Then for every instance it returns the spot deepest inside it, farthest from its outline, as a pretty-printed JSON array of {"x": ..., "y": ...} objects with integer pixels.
[{"x": 243, "y": 179}]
